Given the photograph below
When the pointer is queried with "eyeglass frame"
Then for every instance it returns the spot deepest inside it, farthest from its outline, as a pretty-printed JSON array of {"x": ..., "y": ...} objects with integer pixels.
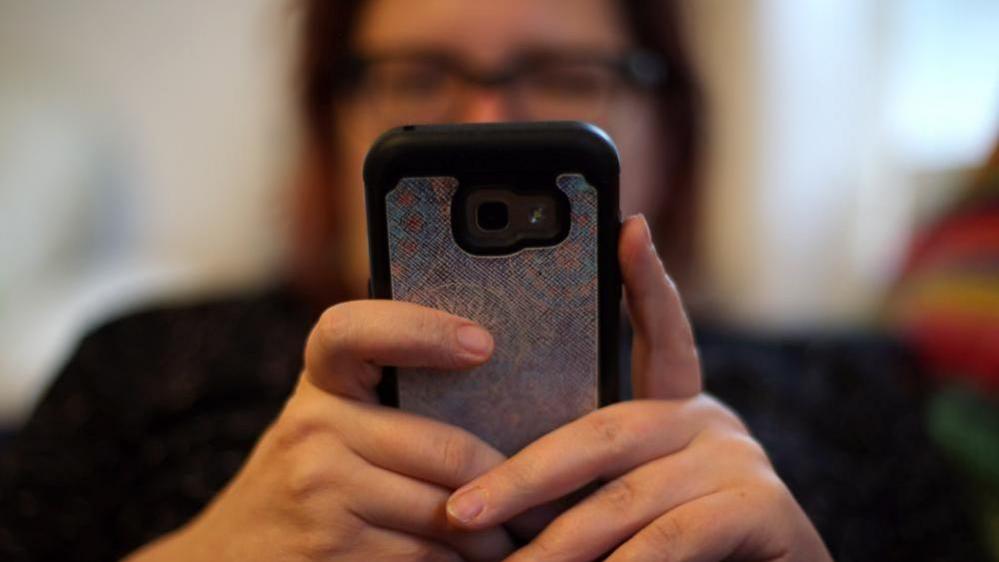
[{"x": 638, "y": 68}]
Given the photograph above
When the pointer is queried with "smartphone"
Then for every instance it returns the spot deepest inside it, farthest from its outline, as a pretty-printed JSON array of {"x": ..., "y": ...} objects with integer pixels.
[{"x": 514, "y": 226}]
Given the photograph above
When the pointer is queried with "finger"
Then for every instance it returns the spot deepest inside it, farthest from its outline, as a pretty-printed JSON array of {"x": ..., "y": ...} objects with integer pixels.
[
  {"x": 622, "y": 507},
  {"x": 374, "y": 543},
  {"x": 601, "y": 445},
  {"x": 714, "y": 527},
  {"x": 703, "y": 530},
  {"x": 392, "y": 439},
  {"x": 353, "y": 340},
  {"x": 664, "y": 358},
  {"x": 400, "y": 503},
  {"x": 416, "y": 446}
]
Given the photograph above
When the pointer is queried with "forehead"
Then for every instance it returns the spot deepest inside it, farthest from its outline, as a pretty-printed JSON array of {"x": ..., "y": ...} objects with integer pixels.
[{"x": 490, "y": 30}]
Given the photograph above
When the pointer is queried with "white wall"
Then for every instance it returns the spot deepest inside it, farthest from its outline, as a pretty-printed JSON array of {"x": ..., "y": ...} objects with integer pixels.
[
  {"x": 143, "y": 151},
  {"x": 827, "y": 115}
]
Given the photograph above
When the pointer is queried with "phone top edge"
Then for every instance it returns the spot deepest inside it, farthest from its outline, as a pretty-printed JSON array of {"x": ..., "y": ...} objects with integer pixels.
[{"x": 432, "y": 149}]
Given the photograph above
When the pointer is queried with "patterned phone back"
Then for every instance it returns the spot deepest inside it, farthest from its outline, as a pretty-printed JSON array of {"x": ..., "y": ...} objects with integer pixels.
[{"x": 540, "y": 304}]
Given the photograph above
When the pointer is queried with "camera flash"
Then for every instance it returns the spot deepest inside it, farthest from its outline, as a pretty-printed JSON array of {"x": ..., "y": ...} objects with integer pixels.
[{"x": 537, "y": 215}]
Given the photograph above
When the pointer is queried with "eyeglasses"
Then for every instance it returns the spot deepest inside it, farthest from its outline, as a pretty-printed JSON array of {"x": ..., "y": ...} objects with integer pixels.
[{"x": 433, "y": 88}]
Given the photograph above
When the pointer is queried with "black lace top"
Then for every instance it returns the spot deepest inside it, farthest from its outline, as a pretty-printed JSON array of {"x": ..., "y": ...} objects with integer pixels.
[{"x": 155, "y": 412}]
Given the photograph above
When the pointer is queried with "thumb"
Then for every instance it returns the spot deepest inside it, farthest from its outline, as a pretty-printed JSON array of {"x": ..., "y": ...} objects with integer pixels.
[{"x": 664, "y": 361}]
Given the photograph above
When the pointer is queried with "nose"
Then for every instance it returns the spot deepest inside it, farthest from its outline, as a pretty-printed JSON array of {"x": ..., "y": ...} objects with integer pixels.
[{"x": 485, "y": 106}]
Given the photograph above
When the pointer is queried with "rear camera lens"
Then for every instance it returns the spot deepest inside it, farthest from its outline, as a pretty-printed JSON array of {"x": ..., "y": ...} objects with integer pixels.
[{"x": 492, "y": 215}]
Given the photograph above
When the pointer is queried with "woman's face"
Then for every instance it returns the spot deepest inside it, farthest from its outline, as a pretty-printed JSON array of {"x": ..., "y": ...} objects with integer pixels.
[{"x": 487, "y": 37}]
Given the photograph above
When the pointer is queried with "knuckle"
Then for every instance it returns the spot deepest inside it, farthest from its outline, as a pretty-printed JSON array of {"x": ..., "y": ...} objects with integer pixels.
[
  {"x": 719, "y": 412},
  {"x": 311, "y": 476},
  {"x": 456, "y": 455},
  {"x": 432, "y": 327},
  {"x": 427, "y": 323},
  {"x": 734, "y": 445},
  {"x": 303, "y": 445},
  {"x": 522, "y": 476},
  {"x": 547, "y": 546},
  {"x": 748, "y": 448},
  {"x": 609, "y": 431},
  {"x": 642, "y": 420},
  {"x": 300, "y": 426},
  {"x": 335, "y": 326},
  {"x": 330, "y": 540},
  {"x": 617, "y": 496},
  {"x": 666, "y": 532}
]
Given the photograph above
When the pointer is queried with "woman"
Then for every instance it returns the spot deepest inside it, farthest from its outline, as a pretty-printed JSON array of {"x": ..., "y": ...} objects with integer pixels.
[{"x": 335, "y": 475}]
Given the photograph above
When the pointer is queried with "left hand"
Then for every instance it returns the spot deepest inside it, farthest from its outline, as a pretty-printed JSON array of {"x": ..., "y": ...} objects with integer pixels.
[{"x": 684, "y": 479}]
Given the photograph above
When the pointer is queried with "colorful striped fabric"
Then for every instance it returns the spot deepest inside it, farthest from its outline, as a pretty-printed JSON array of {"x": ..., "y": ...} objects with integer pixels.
[
  {"x": 947, "y": 302},
  {"x": 946, "y": 305}
]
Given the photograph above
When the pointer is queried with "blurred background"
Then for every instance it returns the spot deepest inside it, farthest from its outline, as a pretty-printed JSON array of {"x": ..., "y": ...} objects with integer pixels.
[{"x": 146, "y": 147}]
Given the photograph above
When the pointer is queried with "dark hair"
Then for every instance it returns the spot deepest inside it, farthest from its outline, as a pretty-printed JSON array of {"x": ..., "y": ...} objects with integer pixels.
[{"x": 325, "y": 53}]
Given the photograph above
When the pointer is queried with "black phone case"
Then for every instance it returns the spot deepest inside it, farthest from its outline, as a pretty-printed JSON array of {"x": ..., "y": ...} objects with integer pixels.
[{"x": 554, "y": 311}]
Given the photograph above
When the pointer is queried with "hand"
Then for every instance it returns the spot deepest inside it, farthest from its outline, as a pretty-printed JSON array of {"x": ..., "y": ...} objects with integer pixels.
[
  {"x": 683, "y": 478},
  {"x": 339, "y": 477}
]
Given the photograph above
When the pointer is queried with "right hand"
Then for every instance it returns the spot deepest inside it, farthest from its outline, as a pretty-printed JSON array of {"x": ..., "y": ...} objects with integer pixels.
[{"x": 339, "y": 477}]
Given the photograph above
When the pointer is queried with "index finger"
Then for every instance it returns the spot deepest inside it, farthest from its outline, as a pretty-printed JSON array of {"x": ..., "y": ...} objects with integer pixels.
[
  {"x": 391, "y": 439},
  {"x": 420, "y": 447},
  {"x": 353, "y": 340},
  {"x": 601, "y": 445}
]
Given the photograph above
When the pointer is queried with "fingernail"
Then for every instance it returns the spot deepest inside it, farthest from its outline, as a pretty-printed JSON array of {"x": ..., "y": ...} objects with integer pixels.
[
  {"x": 646, "y": 233},
  {"x": 475, "y": 340},
  {"x": 467, "y": 505}
]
